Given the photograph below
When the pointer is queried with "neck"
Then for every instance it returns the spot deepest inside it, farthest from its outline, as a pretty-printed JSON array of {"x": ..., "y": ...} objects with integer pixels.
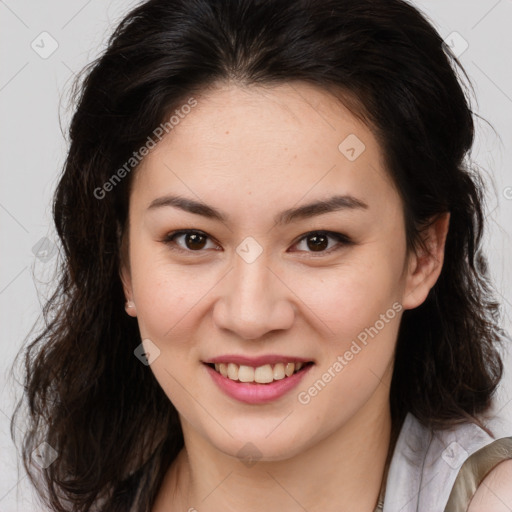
[{"x": 343, "y": 472}]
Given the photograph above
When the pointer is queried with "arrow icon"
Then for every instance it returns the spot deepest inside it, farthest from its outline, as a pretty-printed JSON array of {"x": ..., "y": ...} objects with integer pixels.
[
  {"x": 351, "y": 147},
  {"x": 249, "y": 249},
  {"x": 456, "y": 43},
  {"x": 44, "y": 45}
]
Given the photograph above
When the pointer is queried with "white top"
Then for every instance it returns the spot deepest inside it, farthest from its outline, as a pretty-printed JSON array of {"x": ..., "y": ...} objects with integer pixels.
[{"x": 425, "y": 465}]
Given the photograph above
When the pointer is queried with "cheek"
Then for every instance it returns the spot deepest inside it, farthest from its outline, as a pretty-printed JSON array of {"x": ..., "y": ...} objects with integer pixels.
[
  {"x": 352, "y": 296},
  {"x": 165, "y": 293},
  {"x": 169, "y": 298},
  {"x": 360, "y": 305},
  {"x": 167, "y": 302}
]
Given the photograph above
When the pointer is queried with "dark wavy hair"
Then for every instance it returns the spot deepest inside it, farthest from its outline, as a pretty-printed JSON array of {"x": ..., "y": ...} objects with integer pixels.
[{"x": 114, "y": 430}]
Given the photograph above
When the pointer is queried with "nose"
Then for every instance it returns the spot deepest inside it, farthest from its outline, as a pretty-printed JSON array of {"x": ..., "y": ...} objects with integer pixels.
[{"x": 254, "y": 300}]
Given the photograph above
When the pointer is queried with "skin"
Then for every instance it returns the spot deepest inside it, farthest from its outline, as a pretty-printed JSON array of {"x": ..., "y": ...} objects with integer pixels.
[
  {"x": 253, "y": 153},
  {"x": 495, "y": 492}
]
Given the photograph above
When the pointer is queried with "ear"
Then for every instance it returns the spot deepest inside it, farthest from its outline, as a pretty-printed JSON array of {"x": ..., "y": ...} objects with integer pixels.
[
  {"x": 426, "y": 262},
  {"x": 125, "y": 276}
]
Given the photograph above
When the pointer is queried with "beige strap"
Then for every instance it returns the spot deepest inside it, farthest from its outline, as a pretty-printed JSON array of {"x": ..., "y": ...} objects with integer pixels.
[{"x": 474, "y": 470}]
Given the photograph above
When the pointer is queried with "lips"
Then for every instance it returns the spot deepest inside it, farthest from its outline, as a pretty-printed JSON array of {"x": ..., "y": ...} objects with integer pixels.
[{"x": 253, "y": 392}]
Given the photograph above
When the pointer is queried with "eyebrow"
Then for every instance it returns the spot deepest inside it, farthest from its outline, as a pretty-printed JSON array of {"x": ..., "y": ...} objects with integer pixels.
[{"x": 332, "y": 204}]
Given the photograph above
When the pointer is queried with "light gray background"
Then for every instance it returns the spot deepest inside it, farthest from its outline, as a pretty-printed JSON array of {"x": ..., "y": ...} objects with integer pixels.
[{"x": 33, "y": 93}]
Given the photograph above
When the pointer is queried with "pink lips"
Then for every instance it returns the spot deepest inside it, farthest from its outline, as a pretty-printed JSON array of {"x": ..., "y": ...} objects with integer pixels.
[{"x": 252, "y": 392}]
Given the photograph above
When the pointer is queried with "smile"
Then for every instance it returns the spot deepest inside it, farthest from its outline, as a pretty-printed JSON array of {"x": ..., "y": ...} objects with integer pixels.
[
  {"x": 261, "y": 384},
  {"x": 264, "y": 374}
]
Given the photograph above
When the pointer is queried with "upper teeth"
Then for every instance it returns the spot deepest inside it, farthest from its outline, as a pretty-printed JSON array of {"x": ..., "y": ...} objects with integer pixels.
[{"x": 262, "y": 374}]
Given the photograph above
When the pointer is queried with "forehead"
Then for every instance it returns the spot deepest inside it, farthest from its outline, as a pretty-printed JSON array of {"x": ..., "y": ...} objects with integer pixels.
[{"x": 268, "y": 144}]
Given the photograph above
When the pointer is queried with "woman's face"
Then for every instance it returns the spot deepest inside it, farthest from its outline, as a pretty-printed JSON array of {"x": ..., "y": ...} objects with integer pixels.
[{"x": 262, "y": 285}]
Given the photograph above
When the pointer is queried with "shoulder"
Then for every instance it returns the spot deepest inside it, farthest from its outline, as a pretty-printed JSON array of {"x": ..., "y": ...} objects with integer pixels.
[{"x": 495, "y": 492}]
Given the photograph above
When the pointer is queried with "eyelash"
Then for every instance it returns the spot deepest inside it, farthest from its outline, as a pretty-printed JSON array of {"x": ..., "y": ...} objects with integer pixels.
[{"x": 343, "y": 240}]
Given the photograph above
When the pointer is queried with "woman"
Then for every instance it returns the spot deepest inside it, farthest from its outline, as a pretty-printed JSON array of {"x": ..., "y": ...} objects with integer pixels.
[{"x": 272, "y": 293}]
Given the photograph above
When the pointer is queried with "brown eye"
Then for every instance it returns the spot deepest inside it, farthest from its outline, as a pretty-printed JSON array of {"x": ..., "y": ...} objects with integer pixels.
[
  {"x": 318, "y": 241},
  {"x": 195, "y": 241},
  {"x": 192, "y": 240}
]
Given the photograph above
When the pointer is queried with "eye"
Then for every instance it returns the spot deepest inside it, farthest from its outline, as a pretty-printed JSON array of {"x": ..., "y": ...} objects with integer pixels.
[
  {"x": 315, "y": 241},
  {"x": 194, "y": 240},
  {"x": 318, "y": 241}
]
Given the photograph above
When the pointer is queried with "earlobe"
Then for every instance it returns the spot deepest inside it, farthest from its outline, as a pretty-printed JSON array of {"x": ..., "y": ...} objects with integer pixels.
[
  {"x": 426, "y": 262},
  {"x": 126, "y": 281},
  {"x": 124, "y": 273},
  {"x": 130, "y": 308}
]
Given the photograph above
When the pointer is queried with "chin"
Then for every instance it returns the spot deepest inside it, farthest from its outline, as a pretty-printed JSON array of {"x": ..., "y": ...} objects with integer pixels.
[{"x": 263, "y": 444}]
